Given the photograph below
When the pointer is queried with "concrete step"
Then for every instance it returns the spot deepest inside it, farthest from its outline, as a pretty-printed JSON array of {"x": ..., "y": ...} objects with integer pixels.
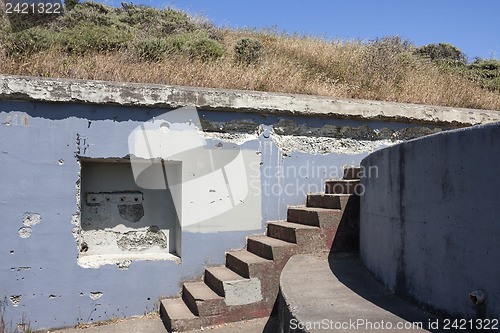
[
  {"x": 202, "y": 300},
  {"x": 297, "y": 233},
  {"x": 246, "y": 263},
  {"x": 178, "y": 318},
  {"x": 323, "y": 200},
  {"x": 352, "y": 172},
  {"x": 267, "y": 247},
  {"x": 318, "y": 217},
  {"x": 215, "y": 277},
  {"x": 329, "y": 201},
  {"x": 176, "y": 315},
  {"x": 343, "y": 186}
]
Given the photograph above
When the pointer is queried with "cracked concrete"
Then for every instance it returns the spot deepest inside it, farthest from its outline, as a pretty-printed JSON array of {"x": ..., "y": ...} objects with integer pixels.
[
  {"x": 321, "y": 145},
  {"x": 25, "y": 88},
  {"x": 290, "y": 136},
  {"x": 140, "y": 241}
]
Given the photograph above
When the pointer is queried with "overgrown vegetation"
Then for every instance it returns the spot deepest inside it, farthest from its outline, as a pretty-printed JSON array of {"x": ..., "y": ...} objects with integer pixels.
[
  {"x": 248, "y": 50},
  {"x": 24, "y": 325},
  {"x": 142, "y": 44}
]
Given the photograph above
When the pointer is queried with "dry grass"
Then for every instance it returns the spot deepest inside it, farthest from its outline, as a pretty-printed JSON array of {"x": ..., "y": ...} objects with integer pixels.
[{"x": 290, "y": 64}]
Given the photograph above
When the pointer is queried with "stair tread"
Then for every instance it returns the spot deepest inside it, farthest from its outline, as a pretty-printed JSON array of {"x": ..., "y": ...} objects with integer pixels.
[
  {"x": 177, "y": 309},
  {"x": 269, "y": 240},
  {"x": 224, "y": 274},
  {"x": 330, "y": 194},
  {"x": 248, "y": 257},
  {"x": 200, "y": 291},
  {"x": 294, "y": 225},
  {"x": 311, "y": 209},
  {"x": 352, "y": 172},
  {"x": 343, "y": 180}
]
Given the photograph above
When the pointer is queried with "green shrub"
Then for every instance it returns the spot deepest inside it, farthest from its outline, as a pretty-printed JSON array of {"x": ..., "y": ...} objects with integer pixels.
[
  {"x": 487, "y": 72},
  {"x": 28, "y": 41},
  {"x": 162, "y": 21},
  {"x": 93, "y": 26},
  {"x": 155, "y": 49},
  {"x": 490, "y": 67},
  {"x": 91, "y": 37},
  {"x": 70, "y": 4},
  {"x": 90, "y": 13},
  {"x": 248, "y": 50},
  {"x": 443, "y": 52},
  {"x": 204, "y": 48},
  {"x": 195, "y": 45}
]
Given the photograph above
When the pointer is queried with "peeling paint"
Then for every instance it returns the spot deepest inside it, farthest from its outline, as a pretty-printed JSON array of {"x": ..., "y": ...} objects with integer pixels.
[
  {"x": 24, "y": 232},
  {"x": 95, "y": 295},
  {"x": 234, "y": 137},
  {"x": 30, "y": 219},
  {"x": 238, "y": 125},
  {"x": 19, "y": 118},
  {"x": 124, "y": 264},
  {"x": 324, "y": 145},
  {"x": 18, "y": 269},
  {"x": 290, "y": 136},
  {"x": 15, "y": 300},
  {"x": 289, "y": 127}
]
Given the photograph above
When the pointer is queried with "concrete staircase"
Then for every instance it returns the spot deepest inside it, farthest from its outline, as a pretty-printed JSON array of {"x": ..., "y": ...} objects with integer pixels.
[{"x": 247, "y": 286}]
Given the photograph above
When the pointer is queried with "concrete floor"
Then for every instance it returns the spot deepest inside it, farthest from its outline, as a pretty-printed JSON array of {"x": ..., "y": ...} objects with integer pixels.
[
  {"x": 155, "y": 325},
  {"x": 325, "y": 291}
]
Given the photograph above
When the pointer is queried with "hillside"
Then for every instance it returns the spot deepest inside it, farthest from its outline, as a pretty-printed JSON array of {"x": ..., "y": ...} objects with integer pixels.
[{"x": 141, "y": 44}]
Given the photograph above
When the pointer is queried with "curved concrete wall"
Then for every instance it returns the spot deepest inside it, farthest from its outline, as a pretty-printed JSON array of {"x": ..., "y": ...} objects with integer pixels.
[{"x": 430, "y": 223}]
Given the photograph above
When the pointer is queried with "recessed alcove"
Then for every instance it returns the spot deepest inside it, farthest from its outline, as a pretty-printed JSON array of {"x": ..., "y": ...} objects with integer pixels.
[{"x": 120, "y": 221}]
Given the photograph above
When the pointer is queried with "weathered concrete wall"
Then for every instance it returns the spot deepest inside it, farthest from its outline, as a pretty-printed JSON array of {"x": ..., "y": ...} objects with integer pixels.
[
  {"x": 154, "y": 95},
  {"x": 429, "y": 223},
  {"x": 50, "y": 128}
]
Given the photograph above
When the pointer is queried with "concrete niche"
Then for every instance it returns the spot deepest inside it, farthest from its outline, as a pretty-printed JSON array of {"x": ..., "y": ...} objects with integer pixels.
[{"x": 120, "y": 221}]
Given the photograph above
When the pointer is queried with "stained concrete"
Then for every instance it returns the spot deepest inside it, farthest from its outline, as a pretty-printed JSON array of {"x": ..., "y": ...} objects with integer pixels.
[
  {"x": 152, "y": 95},
  {"x": 242, "y": 292},
  {"x": 429, "y": 224},
  {"x": 36, "y": 137},
  {"x": 48, "y": 127}
]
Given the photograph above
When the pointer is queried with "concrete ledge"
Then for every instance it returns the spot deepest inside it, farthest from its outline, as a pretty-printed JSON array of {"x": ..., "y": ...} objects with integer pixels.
[
  {"x": 321, "y": 293},
  {"x": 152, "y": 95}
]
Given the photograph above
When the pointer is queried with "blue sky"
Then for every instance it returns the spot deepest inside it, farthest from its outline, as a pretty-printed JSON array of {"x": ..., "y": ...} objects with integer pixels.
[{"x": 473, "y": 26}]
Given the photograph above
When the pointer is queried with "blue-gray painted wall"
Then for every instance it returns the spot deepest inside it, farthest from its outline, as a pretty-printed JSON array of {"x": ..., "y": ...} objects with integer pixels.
[
  {"x": 430, "y": 219},
  {"x": 34, "y": 138}
]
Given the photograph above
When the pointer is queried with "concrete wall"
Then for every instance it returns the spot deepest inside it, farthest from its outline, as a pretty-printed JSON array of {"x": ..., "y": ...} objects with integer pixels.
[
  {"x": 50, "y": 128},
  {"x": 430, "y": 224}
]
